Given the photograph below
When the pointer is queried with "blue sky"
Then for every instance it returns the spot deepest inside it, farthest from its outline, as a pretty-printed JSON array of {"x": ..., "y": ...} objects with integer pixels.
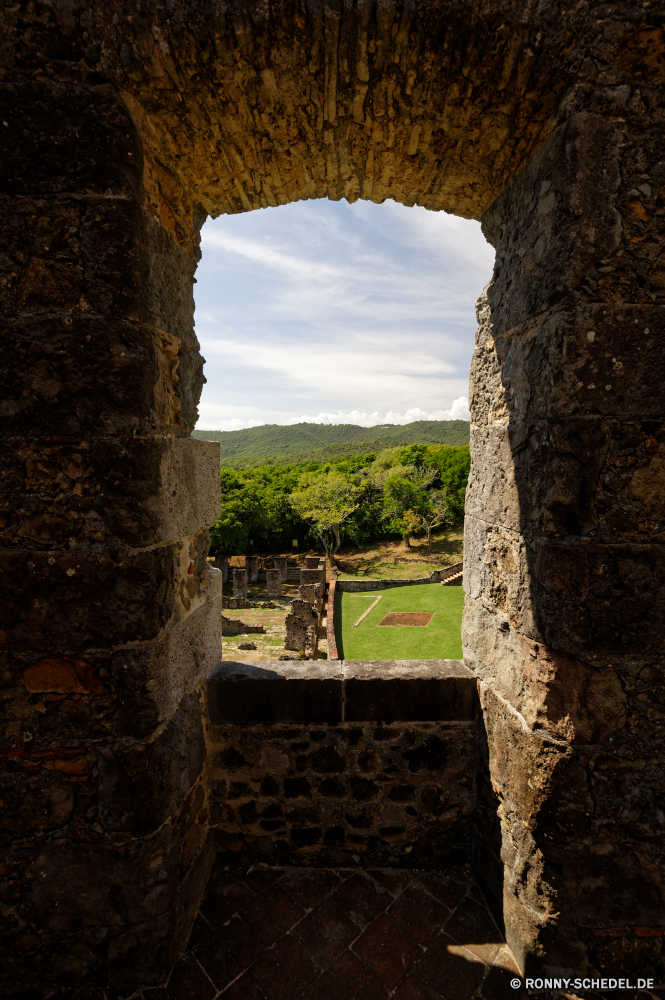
[{"x": 336, "y": 313}]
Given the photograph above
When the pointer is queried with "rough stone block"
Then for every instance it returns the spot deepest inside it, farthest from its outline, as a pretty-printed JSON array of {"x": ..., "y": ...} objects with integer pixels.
[
  {"x": 65, "y": 138},
  {"x": 127, "y": 692},
  {"x": 239, "y": 582},
  {"x": 595, "y": 360},
  {"x": 423, "y": 690},
  {"x": 252, "y": 567},
  {"x": 281, "y": 563},
  {"x": 584, "y": 599},
  {"x": 566, "y": 204},
  {"x": 136, "y": 491},
  {"x": 565, "y": 698},
  {"x": 142, "y": 784},
  {"x": 308, "y": 576},
  {"x": 274, "y": 582},
  {"x": 242, "y": 692},
  {"x": 222, "y": 564},
  {"x": 78, "y": 600},
  {"x": 83, "y": 375}
]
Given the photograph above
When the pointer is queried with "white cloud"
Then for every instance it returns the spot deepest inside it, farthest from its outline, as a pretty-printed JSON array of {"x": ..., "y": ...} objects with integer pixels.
[
  {"x": 458, "y": 411},
  {"x": 326, "y": 308}
]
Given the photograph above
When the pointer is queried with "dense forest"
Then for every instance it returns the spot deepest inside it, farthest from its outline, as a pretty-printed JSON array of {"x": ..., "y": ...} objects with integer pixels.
[
  {"x": 299, "y": 444},
  {"x": 399, "y": 491}
]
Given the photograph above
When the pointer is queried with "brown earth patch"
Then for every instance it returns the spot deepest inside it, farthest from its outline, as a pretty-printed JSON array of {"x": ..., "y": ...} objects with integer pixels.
[{"x": 422, "y": 618}]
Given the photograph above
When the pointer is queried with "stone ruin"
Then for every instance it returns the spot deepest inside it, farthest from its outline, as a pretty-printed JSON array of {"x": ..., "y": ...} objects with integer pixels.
[
  {"x": 233, "y": 626},
  {"x": 304, "y": 621},
  {"x": 127, "y": 124}
]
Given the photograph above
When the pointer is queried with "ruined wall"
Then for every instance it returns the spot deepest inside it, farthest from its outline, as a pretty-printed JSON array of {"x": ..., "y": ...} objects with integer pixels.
[
  {"x": 343, "y": 763},
  {"x": 564, "y": 563},
  {"x": 110, "y": 613},
  {"x": 122, "y": 125},
  {"x": 398, "y": 794}
]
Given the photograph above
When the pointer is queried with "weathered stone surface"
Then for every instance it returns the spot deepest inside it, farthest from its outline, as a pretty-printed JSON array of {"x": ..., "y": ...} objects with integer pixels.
[
  {"x": 378, "y": 791},
  {"x": 281, "y": 563},
  {"x": 587, "y": 599},
  {"x": 142, "y": 784},
  {"x": 84, "y": 375},
  {"x": 81, "y": 599},
  {"x": 274, "y": 582},
  {"x": 68, "y": 138},
  {"x": 77, "y": 493},
  {"x": 233, "y": 626},
  {"x": 239, "y": 582},
  {"x": 121, "y": 132}
]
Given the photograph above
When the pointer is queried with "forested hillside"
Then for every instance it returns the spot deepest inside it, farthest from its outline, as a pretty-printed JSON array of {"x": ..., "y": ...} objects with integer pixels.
[
  {"x": 274, "y": 444},
  {"x": 397, "y": 492}
]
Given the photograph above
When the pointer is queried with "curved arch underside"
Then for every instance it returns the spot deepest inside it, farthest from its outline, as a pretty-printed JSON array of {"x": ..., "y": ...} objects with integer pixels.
[{"x": 440, "y": 104}]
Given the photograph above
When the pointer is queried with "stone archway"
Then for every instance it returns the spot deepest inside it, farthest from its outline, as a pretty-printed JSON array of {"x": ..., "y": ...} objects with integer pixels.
[{"x": 123, "y": 126}]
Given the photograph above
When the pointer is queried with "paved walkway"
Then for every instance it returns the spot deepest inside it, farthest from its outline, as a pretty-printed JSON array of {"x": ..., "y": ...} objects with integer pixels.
[{"x": 321, "y": 934}]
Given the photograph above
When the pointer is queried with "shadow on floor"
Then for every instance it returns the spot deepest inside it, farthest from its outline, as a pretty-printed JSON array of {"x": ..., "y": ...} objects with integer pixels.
[{"x": 335, "y": 934}]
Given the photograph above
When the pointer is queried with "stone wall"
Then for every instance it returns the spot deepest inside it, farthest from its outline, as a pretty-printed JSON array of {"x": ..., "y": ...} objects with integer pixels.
[
  {"x": 233, "y": 626},
  {"x": 564, "y": 563},
  {"x": 334, "y": 790},
  {"x": 360, "y": 586},
  {"x": 123, "y": 125}
]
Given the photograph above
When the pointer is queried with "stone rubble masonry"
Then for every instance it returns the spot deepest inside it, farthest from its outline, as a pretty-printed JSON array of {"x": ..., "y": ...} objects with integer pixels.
[
  {"x": 302, "y": 627},
  {"x": 563, "y": 564},
  {"x": 239, "y": 583},
  {"x": 233, "y": 626},
  {"x": 222, "y": 563},
  {"x": 274, "y": 582},
  {"x": 317, "y": 575},
  {"x": 304, "y": 763},
  {"x": 281, "y": 563},
  {"x": 110, "y": 611},
  {"x": 122, "y": 131},
  {"x": 252, "y": 567}
]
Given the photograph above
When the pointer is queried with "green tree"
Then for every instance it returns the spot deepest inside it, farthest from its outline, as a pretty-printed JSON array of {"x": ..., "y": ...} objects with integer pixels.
[
  {"x": 326, "y": 499},
  {"x": 406, "y": 490},
  {"x": 433, "y": 513}
]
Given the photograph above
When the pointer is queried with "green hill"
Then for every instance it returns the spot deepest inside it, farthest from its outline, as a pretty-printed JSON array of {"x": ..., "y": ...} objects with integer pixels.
[{"x": 276, "y": 444}]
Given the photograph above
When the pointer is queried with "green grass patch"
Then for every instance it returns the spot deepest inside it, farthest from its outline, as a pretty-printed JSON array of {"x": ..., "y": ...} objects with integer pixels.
[{"x": 440, "y": 640}]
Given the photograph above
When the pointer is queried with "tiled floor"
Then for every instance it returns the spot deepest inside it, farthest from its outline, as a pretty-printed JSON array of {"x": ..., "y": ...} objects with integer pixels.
[{"x": 321, "y": 934}]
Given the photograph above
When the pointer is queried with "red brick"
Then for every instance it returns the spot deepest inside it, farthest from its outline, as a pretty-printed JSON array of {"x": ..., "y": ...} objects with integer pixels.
[
  {"x": 224, "y": 900},
  {"x": 326, "y": 932},
  {"x": 186, "y": 981},
  {"x": 308, "y": 888},
  {"x": 415, "y": 989},
  {"x": 284, "y": 972},
  {"x": 362, "y": 983},
  {"x": 419, "y": 913},
  {"x": 388, "y": 950},
  {"x": 271, "y": 914},
  {"x": 228, "y": 953},
  {"x": 452, "y": 975},
  {"x": 472, "y": 926},
  {"x": 361, "y": 899}
]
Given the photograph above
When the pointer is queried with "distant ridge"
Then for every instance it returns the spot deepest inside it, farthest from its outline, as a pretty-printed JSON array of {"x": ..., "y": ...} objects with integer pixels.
[{"x": 277, "y": 444}]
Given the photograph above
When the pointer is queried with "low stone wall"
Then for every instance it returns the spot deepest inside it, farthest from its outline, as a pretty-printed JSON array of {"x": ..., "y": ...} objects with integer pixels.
[
  {"x": 437, "y": 576},
  {"x": 334, "y": 763},
  {"x": 233, "y": 626}
]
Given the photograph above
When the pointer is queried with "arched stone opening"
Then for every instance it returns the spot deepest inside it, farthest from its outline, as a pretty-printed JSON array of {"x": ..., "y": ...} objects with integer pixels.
[{"x": 124, "y": 126}]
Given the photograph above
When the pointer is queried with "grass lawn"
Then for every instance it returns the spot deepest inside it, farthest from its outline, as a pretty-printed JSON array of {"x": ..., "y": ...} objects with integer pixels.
[
  {"x": 440, "y": 640},
  {"x": 392, "y": 560}
]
